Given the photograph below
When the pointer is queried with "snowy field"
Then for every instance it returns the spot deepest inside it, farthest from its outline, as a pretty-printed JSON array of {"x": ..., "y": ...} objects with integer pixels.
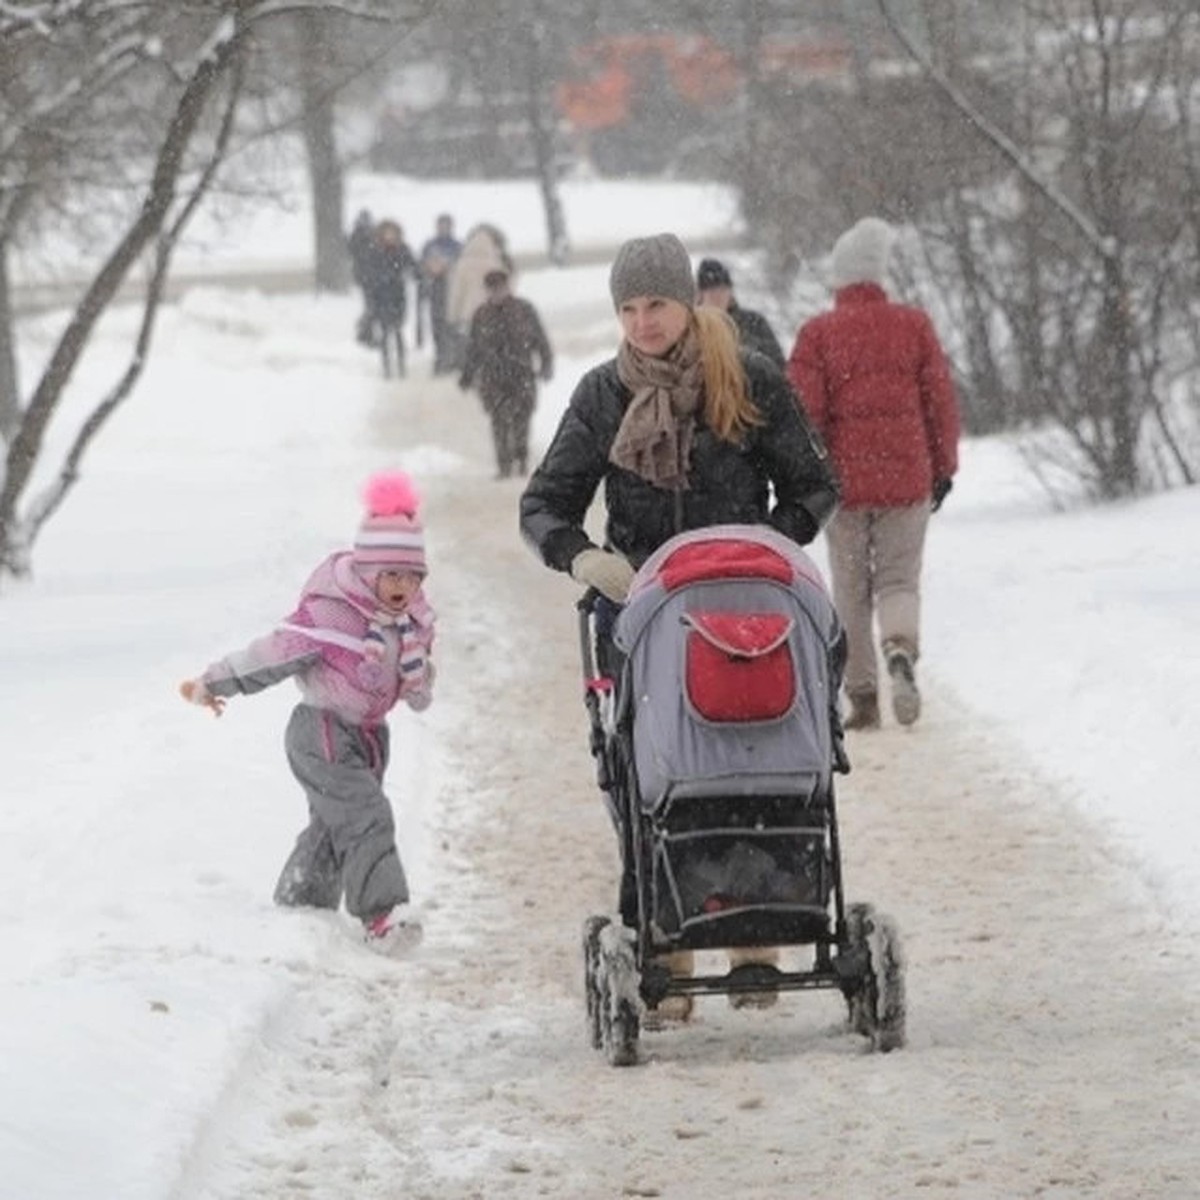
[
  {"x": 235, "y": 232},
  {"x": 148, "y": 987}
]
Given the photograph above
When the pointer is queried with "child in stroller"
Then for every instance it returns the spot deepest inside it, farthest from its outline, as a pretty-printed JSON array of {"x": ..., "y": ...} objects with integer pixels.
[{"x": 716, "y": 737}]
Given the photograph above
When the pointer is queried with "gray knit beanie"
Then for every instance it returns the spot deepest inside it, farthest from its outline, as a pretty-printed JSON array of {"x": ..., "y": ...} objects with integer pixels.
[{"x": 652, "y": 266}]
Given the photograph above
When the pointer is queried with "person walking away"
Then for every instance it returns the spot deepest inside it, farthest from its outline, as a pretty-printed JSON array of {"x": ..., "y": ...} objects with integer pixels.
[
  {"x": 507, "y": 351},
  {"x": 438, "y": 255},
  {"x": 714, "y": 286},
  {"x": 359, "y": 641},
  {"x": 874, "y": 380},
  {"x": 684, "y": 430},
  {"x": 484, "y": 249},
  {"x": 358, "y": 245},
  {"x": 390, "y": 266}
]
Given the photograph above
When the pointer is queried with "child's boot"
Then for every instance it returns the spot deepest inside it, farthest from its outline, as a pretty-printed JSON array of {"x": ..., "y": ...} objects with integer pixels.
[{"x": 392, "y": 932}]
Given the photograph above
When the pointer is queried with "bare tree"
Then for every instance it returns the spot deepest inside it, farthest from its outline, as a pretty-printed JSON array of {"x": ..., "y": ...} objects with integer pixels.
[
  {"x": 331, "y": 268},
  {"x": 328, "y": 51},
  {"x": 1096, "y": 300},
  {"x": 501, "y": 60},
  {"x": 1050, "y": 167},
  {"x": 168, "y": 80}
]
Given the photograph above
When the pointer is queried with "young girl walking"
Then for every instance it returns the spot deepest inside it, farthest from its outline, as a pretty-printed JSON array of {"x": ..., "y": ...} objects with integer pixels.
[{"x": 357, "y": 644}]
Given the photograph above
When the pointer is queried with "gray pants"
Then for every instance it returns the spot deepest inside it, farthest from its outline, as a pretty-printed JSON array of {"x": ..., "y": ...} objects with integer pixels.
[
  {"x": 349, "y": 845},
  {"x": 875, "y": 563}
]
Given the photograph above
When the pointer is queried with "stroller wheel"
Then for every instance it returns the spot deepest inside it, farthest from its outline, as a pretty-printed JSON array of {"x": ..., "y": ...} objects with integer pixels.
[
  {"x": 619, "y": 999},
  {"x": 591, "y": 977},
  {"x": 877, "y": 1004}
]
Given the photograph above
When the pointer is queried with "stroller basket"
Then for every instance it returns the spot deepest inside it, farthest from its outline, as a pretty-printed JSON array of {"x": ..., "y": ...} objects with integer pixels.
[{"x": 741, "y": 868}]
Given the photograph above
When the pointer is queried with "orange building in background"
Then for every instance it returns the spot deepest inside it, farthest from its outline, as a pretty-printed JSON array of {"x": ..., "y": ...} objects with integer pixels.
[{"x": 602, "y": 85}]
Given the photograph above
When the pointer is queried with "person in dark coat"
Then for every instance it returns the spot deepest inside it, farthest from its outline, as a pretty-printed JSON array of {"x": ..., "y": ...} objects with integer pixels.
[
  {"x": 684, "y": 429},
  {"x": 714, "y": 285},
  {"x": 873, "y": 379},
  {"x": 438, "y": 255},
  {"x": 681, "y": 428},
  {"x": 359, "y": 242},
  {"x": 389, "y": 267},
  {"x": 507, "y": 350}
]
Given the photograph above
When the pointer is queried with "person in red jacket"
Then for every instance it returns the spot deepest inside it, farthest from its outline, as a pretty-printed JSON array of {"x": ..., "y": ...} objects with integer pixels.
[{"x": 874, "y": 381}]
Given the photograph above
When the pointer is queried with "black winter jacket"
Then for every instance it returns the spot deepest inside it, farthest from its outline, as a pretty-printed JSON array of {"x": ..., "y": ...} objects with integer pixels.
[
  {"x": 385, "y": 282},
  {"x": 728, "y": 483},
  {"x": 756, "y": 333},
  {"x": 507, "y": 343}
]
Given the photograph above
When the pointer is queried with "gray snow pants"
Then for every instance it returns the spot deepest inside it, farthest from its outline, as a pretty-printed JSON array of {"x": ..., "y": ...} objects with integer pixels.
[{"x": 349, "y": 845}]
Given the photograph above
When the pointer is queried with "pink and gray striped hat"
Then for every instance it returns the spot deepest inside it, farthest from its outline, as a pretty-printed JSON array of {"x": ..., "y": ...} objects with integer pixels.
[{"x": 390, "y": 537}]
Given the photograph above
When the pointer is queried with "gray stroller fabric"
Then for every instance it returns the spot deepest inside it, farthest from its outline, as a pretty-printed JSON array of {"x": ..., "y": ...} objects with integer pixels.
[{"x": 677, "y": 751}]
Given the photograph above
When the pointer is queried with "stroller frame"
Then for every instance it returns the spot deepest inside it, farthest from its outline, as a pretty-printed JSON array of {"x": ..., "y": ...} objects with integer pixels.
[{"x": 855, "y": 949}]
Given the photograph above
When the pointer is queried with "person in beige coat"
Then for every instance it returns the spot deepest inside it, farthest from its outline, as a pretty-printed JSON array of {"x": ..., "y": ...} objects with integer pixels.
[{"x": 484, "y": 250}]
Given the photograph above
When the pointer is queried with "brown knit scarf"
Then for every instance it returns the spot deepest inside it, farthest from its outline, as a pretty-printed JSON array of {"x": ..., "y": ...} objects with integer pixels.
[{"x": 655, "y": 437}]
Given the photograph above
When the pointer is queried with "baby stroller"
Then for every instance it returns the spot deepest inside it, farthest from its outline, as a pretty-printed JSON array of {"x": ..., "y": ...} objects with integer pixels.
[{"x": 716, "y": 736}]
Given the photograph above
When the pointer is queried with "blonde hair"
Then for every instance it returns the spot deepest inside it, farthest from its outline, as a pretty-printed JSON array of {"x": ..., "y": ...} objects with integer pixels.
[{"x": 728, "y": 409}]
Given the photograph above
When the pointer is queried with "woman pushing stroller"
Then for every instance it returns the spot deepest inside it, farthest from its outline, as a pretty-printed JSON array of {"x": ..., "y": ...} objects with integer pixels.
[{"x": 684, "y": 432}]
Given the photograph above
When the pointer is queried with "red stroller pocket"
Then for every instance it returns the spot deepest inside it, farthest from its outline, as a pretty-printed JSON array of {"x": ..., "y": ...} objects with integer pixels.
[{"x": 739, "y": 666}]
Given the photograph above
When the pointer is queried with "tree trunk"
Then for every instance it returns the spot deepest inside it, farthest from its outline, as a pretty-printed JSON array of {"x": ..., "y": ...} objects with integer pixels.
[
  {"x": 558, "y": 245},
  {"x": 1119, "y": 404},
  {"x": 10, "y": 397},
  {"x": 860, "y": 48},
  {"x": 331, "y": 266}
]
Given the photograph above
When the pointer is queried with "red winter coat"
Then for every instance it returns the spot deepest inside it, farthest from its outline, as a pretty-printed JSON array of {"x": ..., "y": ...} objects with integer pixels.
[{"x": 874, "y": 381}]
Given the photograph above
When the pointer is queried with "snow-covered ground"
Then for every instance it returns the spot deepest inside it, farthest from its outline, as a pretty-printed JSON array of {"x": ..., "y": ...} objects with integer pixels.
[{"x": 165, "y": 1032}]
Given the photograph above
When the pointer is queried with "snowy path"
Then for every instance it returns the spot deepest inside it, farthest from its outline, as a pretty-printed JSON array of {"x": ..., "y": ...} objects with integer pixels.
[{"x": 1054, "y": 1037}]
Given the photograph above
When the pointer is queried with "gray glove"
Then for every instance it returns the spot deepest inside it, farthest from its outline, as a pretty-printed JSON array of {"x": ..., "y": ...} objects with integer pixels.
[{"x": 607, "y": 572}]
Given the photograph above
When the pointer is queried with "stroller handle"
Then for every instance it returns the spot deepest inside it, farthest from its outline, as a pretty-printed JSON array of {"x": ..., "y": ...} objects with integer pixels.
[
  {"x": 587, "y": 601},
  {"x": 587, "y": 650}
]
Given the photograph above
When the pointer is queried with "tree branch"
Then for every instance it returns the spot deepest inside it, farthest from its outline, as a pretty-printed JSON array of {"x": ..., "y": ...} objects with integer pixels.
[
  {"x": 1104, "y": 245},
  {"x": 44, "y": 506},
  {"x": 25, "y": 446}
]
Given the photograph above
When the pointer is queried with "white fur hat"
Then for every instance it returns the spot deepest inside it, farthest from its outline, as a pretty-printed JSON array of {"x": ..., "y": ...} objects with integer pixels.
[{"x": 861, "y": 254}]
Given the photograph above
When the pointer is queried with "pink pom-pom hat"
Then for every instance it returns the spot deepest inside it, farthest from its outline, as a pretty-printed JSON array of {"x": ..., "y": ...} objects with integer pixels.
[{"x": 390, "y": 537}]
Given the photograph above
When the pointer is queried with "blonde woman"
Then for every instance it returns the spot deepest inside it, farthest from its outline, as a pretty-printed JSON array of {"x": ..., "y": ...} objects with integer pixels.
[
  {"x": 681, "y": 428},
  {"x": 684, "y": 431}
]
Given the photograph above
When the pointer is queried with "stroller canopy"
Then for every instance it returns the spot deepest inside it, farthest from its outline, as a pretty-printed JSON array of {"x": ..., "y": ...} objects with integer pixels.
[{"x": 731, "y": 642}]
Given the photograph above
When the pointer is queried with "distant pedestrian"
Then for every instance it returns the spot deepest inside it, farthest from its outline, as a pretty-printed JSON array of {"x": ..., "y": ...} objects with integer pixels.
[
  {"x": 484, "y": 249},
  {"x": 714, "y": 287},
  {"x": 358, "y": 245},
  {"x": 507, "y": 350},
  {"x": 359, "y": 641},
  {"x": 438, "y": 256},
  {"x": 389, "y": 267},
  {"x": 874, "y": 381}
]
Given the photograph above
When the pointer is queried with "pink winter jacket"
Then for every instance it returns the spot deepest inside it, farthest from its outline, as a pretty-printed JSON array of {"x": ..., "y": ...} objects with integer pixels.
[{"x": 346, "y": 654}]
